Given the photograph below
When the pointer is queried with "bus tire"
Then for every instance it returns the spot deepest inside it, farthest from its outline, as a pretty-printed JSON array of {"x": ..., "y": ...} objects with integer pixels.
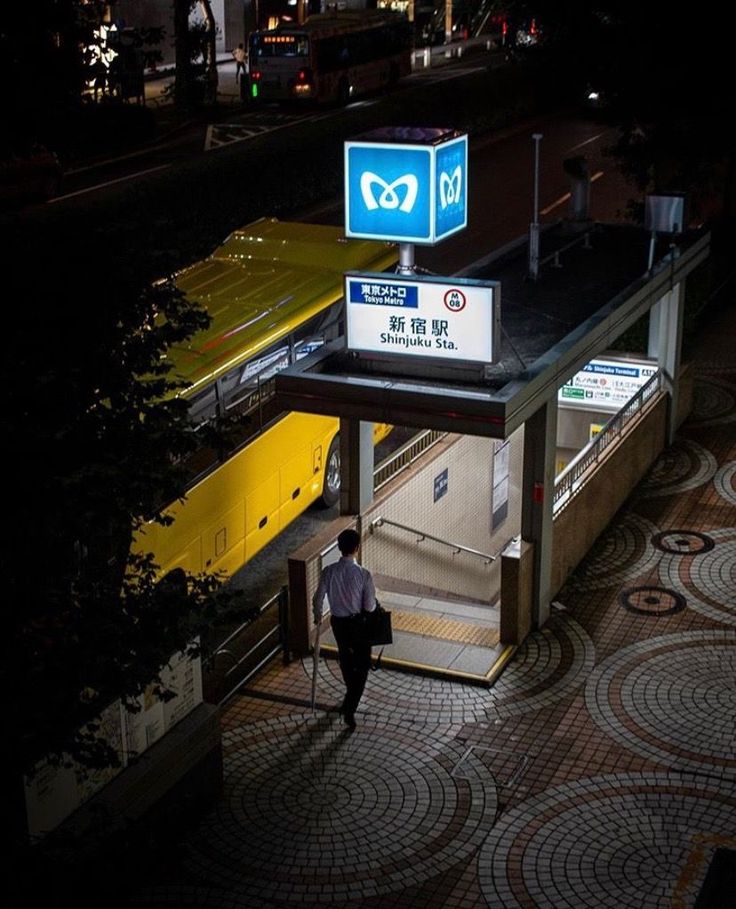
[
  {"x": 331, "y": 483},
  {"x": 343, "y": 93}
]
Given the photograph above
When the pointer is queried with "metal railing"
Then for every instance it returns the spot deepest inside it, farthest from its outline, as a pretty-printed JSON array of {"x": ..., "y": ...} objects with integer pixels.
[
  {"x": 554, "y": 257},
  {"x": 571, "y": 479},
  {"x": 242, "y": 668},
  {"x": 421, "y": 535},
  {"x": 404, "y": 457}
]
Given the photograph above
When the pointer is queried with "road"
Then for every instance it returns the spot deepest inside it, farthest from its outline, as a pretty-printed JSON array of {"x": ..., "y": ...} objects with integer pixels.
[{"x": 241, "y": 124}]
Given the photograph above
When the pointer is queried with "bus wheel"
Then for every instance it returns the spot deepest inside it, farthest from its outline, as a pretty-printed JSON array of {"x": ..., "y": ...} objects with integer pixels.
[
  {"x": 331, "y": 485},
  {"x": 343, "y": 92}
]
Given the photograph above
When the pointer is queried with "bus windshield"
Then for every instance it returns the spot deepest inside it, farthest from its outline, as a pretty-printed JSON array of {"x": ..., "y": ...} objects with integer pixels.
[{"x": 280, "y": 45}]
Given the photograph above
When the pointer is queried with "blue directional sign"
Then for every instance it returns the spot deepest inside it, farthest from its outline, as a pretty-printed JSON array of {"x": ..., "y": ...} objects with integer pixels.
[{"x": 407, "y": 191}]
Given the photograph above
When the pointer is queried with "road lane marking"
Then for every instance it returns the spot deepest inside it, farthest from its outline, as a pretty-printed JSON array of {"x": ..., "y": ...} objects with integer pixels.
[
  {"x": 90, "y": 189},
  {"x": 545, "y": 211}
]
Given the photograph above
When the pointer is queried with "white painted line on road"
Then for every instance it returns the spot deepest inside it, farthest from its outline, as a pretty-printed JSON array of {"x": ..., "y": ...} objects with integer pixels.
[
  {"x": 90, "y": 189},
  {"x": 588, "y": 141},
  {"x": 545, "y": 211},
  {"x": 135, "y": 154}
]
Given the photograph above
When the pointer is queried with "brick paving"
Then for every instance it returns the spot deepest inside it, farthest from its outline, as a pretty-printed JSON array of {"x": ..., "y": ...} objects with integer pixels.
[{"x": 599, "y": 771}]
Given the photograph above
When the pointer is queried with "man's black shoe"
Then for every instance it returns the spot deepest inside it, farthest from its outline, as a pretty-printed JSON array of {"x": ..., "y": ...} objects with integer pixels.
[{"x": 349, "y": 720}]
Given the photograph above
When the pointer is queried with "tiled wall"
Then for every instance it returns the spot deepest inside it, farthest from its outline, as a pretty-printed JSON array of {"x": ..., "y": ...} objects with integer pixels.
[
  {"x": 463, "y": 514},
  {"x": 579, "y": 524}
]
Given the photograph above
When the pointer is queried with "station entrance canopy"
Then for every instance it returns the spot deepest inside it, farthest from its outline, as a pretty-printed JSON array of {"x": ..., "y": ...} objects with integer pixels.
[{"x": 549, "y": 330}]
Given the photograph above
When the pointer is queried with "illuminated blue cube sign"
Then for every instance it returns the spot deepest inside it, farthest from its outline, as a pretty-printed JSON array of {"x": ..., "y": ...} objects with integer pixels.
[{"x": 406, "y": 184}]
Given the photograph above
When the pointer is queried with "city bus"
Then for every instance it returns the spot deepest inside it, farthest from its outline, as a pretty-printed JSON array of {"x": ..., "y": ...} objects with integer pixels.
[
  {"x": 274, "y": 290},
  {"x": 331, "y": 57}
]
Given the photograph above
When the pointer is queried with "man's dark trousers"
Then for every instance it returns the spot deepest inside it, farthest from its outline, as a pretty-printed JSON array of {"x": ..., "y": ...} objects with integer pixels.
[{"x": 355, "y": 659}]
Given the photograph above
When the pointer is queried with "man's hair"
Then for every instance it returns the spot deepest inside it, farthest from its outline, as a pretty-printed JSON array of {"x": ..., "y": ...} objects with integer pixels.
[{"x": 348, "y": 541}]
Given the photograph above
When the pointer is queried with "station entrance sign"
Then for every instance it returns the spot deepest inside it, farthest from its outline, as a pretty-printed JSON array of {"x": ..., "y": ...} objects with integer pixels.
[
  {"x": 406, "y": 184},
  {"x": 606, "y": 384},
  {"x": 423, "y": 317}
]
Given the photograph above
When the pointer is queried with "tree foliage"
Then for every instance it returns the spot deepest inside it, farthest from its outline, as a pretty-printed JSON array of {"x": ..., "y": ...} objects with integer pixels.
[
  {"x": 196, "y": 59},
  {"x": 660, "y": 70},
  {"x": 96, "y": 427}
]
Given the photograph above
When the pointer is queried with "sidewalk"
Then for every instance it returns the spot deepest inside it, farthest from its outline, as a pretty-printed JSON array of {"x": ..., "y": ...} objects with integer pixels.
[{"x": 600, "y": 770}]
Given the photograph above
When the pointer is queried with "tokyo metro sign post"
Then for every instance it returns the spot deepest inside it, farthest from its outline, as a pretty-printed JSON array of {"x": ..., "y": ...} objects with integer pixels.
[
  {"x": 410, "y": 185},
  {"x": 406, "y": 184}
]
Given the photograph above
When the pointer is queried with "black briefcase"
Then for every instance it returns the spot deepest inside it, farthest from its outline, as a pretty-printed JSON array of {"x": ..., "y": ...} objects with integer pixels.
[{"x": 377, "y": 626}]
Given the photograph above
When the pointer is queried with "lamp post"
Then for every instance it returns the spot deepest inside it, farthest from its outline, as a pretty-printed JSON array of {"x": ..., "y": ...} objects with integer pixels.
[{"x": 534, "y": 227}]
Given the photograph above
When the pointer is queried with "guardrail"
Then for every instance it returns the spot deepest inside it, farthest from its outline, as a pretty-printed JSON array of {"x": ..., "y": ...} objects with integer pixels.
[
  {"x": 554, "y": 257},
  {"x": 247, "y": 649},
  {"x": 424, "y": 57},
  {"x": 571, "y": 478},
  {"x": 405, "y": 456}
]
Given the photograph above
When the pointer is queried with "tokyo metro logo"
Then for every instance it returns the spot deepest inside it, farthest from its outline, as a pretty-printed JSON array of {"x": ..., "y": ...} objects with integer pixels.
[
  {"x": 389, "y": 197},
  {"x": 451, "y": 187},
  {"x": 403, "y": 192}
]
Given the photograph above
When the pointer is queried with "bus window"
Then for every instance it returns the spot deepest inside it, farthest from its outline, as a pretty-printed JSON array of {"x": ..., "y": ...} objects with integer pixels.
[
  {"x": 280, "y": 45},
  {"x": 313, "y": 334},
  {"x": 248, "y": 391},
  {"x": 203, "y": 409}
]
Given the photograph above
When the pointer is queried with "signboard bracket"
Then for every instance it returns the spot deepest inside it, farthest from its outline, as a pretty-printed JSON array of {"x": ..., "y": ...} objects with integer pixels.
[{"x": 407, "y": 264}]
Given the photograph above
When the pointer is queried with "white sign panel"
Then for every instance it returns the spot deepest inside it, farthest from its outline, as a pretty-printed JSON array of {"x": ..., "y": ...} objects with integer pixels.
[
  {"x": 422, "y": 317},
  {"x": 606, "y": 384}
]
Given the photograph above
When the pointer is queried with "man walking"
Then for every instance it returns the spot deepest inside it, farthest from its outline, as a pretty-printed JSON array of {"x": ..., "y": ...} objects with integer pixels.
[
  {"x": 350, "y": 591},
  {"x": 240, "y": 55}
]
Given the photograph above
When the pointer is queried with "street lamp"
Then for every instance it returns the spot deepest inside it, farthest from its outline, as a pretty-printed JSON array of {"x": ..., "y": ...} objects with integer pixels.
[{"x": 534, "y": 227}]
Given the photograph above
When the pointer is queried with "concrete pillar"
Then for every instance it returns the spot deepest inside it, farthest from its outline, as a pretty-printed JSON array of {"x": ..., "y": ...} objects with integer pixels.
[
  {"x": 537, "y": 491},
  {"x": 665, "y": 346},
  {"x": 356, "y": 465}
]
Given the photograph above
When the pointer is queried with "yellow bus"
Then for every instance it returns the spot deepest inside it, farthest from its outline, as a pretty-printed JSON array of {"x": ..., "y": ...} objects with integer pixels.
[{"x": 274, "y": 291}]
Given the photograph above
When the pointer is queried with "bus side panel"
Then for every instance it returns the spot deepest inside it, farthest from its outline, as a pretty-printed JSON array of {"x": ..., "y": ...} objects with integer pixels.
[
  {"x": 261, "y": 506},
  {"x": 222, "y": 542},
  {"x": 303, "y": 475},
  {"x": 231, "y": 514},
  {"x": 380, "y": 431},
  {"x": 171, "y": 549},
  {"x": 295, "y": 478}
]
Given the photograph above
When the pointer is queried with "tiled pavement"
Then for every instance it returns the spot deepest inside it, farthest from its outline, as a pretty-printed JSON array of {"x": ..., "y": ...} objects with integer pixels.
[{"x": 599, "y": 771}]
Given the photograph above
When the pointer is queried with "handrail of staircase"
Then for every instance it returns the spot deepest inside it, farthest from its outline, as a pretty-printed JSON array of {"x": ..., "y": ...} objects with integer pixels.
[{"x": 458, "y": 547}]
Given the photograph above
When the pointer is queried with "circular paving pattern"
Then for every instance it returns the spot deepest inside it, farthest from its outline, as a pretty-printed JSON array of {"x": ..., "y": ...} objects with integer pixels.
[
  {"x": 708, "y": 581},
  {"x": 314, "y": 812},
  {"x": 671, "y": 700},
  {"x": 651, "y": 600},
  {"x": 725, "y": 482},
  {"x": 197, "y": 897},
  {"x": 623, "y": 552},
  {"x": 684, "y": 465},
  {"x": 714, "y": 402},
  {"x": 549, "y": 665},
  {"x": 615, "y": 841},
  {"x": 682, "y": 542}
]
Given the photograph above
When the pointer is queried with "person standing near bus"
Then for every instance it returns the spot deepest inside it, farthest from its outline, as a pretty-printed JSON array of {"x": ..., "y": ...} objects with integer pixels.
[
  {"x": 350, "y": 590},
  {"x": 241, "y": 57}
]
